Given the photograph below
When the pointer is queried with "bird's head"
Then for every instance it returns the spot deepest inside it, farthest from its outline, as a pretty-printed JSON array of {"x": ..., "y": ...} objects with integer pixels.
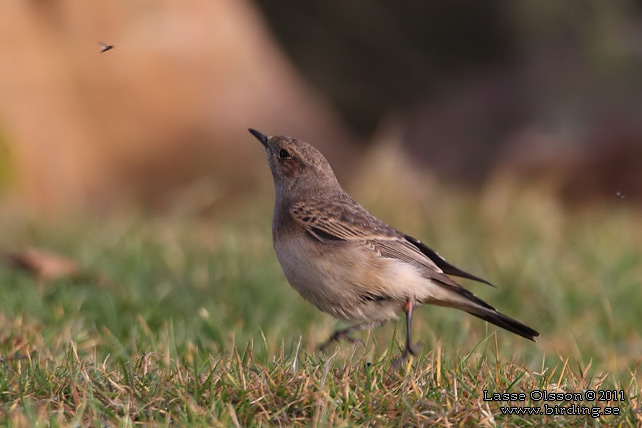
[{"x": 296, "y": 164}]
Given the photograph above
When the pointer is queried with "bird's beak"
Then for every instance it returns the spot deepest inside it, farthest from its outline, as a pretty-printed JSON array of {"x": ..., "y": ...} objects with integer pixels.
[{"x": 262, "y": 138}]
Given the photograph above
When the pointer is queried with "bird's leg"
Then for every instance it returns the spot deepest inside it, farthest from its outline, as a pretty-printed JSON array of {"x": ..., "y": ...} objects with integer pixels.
[
  {"x": 410, "y": 348},
  {"x": 346, "y": 332}
]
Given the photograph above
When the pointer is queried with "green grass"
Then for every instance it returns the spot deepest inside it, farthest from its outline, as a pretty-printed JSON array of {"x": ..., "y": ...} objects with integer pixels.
[{"x": 196, "y": 325}]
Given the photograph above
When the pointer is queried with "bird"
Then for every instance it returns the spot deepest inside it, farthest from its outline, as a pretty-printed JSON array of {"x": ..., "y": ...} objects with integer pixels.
[
  {"x": 104, "y": 47},
  {"x": 350, "y": 264}
]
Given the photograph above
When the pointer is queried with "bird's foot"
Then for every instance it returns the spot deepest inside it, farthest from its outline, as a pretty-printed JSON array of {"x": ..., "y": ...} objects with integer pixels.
[
  {"x": 409, "y": 351},
  {"x": 337, "y": 337}
]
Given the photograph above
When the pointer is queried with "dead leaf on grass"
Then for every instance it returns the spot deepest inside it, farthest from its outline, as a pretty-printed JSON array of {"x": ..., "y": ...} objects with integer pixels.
[{"x": 48, "y": 266}]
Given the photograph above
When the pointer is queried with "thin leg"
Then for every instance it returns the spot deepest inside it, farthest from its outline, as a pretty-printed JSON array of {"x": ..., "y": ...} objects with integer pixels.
[
  {"x": 410, "y": 348},
  {"x": 346, "y": 332}
]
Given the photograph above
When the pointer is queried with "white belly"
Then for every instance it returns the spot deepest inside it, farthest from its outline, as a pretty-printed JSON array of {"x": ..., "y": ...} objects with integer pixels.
[{"x": 336, "y": 279}]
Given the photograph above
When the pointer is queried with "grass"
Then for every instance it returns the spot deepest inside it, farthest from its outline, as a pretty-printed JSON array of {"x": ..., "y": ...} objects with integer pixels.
[{"x": 196, "y": 326}]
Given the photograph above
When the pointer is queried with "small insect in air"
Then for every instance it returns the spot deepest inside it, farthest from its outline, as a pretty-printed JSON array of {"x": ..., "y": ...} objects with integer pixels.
[
  {"x": 620, "y": 194},
  {"x": 104, "y": 47}
]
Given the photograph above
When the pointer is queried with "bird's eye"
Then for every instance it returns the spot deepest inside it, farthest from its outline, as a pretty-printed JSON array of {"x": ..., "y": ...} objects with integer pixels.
[{"x": 283, "y": 154}]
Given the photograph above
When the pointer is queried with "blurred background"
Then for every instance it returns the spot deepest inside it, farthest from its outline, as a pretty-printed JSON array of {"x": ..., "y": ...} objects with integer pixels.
[{"x": 473, "y": 95}]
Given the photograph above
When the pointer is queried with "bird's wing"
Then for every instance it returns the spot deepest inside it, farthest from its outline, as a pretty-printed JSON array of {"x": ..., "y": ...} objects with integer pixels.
[
  {"x": 342, "y": 221},
  {"x": 443, "y": 264},
  {"x": 349, "y": 221},
  {"x": 399, "y": 249}
]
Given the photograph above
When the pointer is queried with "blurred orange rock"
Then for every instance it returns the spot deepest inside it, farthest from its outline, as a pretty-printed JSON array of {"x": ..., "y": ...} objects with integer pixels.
[{"x": 169, "y": 104}]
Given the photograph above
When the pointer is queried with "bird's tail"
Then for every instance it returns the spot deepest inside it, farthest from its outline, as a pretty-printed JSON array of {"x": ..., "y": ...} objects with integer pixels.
[
  {"x": 460, "y": 298},
  {"x": 503, "y": 321}
]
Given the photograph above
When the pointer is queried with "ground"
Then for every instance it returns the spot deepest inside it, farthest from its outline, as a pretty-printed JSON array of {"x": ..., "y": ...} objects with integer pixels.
[{"x": 188, "y": 320}]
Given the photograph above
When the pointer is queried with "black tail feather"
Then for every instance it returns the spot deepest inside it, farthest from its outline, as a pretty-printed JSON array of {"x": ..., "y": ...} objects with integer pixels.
[{"x": 505, "y": 322}]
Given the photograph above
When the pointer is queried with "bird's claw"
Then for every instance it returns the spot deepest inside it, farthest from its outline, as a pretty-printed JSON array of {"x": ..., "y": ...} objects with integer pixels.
[
  {"x": 410, "y": 351},
  {"x": 414, "y": 349},
  {"x": 337, "y": 338}
]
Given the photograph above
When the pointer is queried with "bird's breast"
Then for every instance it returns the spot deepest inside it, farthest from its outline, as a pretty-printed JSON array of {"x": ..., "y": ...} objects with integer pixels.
[{"x": 346, "y": 280}]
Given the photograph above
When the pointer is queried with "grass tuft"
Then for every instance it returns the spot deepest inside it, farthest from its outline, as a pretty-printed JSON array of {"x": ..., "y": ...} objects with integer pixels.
[{"x": 193, "y": 324}]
